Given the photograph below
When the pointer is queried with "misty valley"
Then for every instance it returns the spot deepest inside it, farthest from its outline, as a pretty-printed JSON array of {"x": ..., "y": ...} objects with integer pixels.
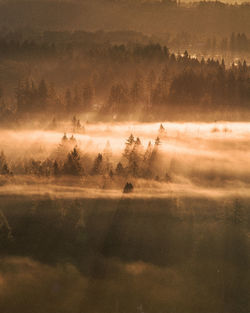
[
  {"x": 73, "y": 241},
  {"x": 124, "y": 156},
  {"x": 163, "y": 157}
]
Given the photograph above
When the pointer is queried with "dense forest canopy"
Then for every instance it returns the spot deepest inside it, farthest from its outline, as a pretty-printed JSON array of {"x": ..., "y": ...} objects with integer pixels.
[
  {"x": 82, "y": 73},
  {"x": 103, "y": 59}
]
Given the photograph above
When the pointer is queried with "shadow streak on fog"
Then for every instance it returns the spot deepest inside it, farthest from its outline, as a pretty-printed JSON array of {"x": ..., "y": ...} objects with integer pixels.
[{"x": 124, "y": 254}]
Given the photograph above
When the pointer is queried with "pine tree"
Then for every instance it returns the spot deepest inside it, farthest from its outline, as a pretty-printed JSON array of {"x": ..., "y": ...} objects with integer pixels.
[
  {"x": 128, "y": 188},
  {"x": 98, "y": 165},
  {"x": 56, "y": 170},
  {"x": 157, "y": 142},
  {"x": 161, "y": 131},
  {"x": 73, "y": 141},
  {"x": 134, "y": 168},
  {"x": 147, "y": 173},
  {"x": 129, "y": 146},
  {"x": 64, "y": 138},
  {"x": 155, "y": 151},
  {"x": 74, "y": 124},
  {"x": 111, "y": 174},
  {"x": 4, "y": 169},
  {"x": 119, "y": 169},
  {"x": 63, "y": 149},
  {"x": 148, "y": 152},
  {"x": 78, "y": 125},
  {"x": 135, "y": 158},
  {"x": 137, "y": 151},
  {"x": 72, "y": 166}
]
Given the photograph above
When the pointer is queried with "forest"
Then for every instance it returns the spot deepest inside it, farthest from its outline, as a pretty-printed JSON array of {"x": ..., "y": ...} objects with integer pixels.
[
  {"x": 146, "y": 82},
  {"x": 70, "y": 161}
]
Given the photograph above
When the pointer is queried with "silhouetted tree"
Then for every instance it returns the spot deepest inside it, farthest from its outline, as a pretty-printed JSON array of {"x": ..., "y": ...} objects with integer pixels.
[
  {"x": 98, "y": 165},
  {"x": 4, "y": 169},
  {"x": 56, "y": 169},
  {"x": 72, "y": 165},
  {"x": 119, "y": 169}
]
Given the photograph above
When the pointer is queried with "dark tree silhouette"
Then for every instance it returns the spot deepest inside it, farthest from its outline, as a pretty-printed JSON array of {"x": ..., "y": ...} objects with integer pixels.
[
  {"x": 72, "y": 165},
  {"x": 98, "y": 165}
]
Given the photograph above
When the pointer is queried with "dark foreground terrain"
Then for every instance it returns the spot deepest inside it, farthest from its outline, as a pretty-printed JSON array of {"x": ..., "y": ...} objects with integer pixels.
[{"x": 124, "y": 255}]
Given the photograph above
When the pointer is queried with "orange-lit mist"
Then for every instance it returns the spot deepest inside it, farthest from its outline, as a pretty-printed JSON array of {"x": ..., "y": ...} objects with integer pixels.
[{"x": 203, "y": 159}]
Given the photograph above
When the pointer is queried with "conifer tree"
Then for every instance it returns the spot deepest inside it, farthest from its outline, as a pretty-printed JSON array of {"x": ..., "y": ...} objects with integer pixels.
[
  {"x": 4, "y": 169},
  {"x": 56, "y": 170},
  {"x": 73, "y": 141},
  {"x": 98, "y": 165},
  {"x": 148, "y": 152},
  {"x": 72, "y": 166},
  {"x": 119, "y": 169},
  {"x": 64, "y": 138},
  {"x": 147, "y": 173},
  {"x": 161, "y": 131},
  {"x": 135, "y": 158},
  {"x": 128, "y": 147},
  {"x": 155, "y": 152}
]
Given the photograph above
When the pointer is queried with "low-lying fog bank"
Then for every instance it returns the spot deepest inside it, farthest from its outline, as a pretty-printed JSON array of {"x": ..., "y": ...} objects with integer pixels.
[
  {"x": 73, "y": 242},
  {"x": 158, "y": 159},
  {"x": 143, "y": 189}
]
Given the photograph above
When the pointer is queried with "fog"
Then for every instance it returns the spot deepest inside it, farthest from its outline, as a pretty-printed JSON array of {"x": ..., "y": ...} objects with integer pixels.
[
  {"x": 200, "y": 158},
  {"x": 124, "y": 156},
  {"x": 179, "y": 242}
]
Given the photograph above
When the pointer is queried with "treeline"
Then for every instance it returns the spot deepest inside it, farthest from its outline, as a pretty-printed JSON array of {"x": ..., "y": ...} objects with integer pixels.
[
  {"x": 85, "y": 49},
  {"x": 47, "y": 44},
  {"x": 179, "y": 82},
  {"x": 79, "y": 45},
  {"x": 69, "y": 160},
  {"x": 239, "y": 42},
  {"x": 233, "y": 45},
  {"x": 122, "y": 82},
  {"x": 41, "y": 98}
]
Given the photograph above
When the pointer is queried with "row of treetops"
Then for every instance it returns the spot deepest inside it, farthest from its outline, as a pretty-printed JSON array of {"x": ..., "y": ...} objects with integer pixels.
[
  {"x": 69, "y": 160},
  {"x": 157, "y": 80},
  {"x": 181, "y": 80},
  {"x": 138, "y": 46}
]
